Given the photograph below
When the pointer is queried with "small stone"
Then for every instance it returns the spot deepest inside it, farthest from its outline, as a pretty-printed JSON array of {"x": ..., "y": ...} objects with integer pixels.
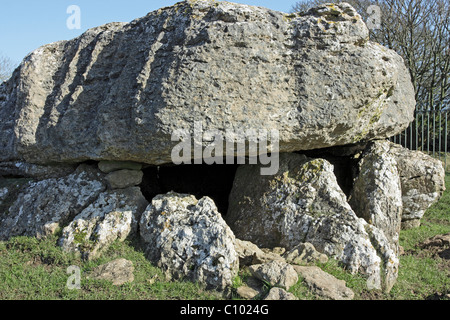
[
  {"x": 324, "y": 284},
  {"x": 280, "y": 294},
  {"x": 422, "y": 183},
  {"x": 276, "y": 250},
  {"x": 252, "y": 289},
  {"x": 119, "y": 271},
  {"x": 249, "y": 254},
  {"x": 124, "y": 178},
  {"x": 304, "y": 254},
  {"x": 276, "y": 273},
  {"x": 247, "y": 293},
  {"x": 153, "y": 279}
]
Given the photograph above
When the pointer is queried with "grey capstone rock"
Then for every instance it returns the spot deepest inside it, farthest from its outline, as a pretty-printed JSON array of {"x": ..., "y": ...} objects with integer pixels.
[
  {"x": 188, "y": 238},
  {"x": 44, "y": 206},
  {"x": 304, "y": 203},
  {"x": 114, "y": 215},
  {"x": 119, "y": 91}
]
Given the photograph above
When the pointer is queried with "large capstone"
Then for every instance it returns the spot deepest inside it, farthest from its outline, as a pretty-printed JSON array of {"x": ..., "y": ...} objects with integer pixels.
[{"x": 119, "y": 91}]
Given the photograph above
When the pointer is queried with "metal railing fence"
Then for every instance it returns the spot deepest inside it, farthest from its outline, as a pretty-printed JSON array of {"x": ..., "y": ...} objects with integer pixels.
[{"x": 427, "y": 133}]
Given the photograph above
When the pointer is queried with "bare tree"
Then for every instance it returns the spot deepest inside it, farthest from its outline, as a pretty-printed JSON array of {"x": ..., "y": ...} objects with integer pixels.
[{"x": 6, "y": 67}]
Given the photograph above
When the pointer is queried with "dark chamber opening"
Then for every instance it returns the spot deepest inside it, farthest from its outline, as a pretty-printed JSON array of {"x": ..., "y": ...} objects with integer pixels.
[{"x": 214, "y": 181}]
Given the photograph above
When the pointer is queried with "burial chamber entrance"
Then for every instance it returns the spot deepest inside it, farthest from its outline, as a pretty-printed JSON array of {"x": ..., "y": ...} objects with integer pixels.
[{"x": 216, "y": 180}]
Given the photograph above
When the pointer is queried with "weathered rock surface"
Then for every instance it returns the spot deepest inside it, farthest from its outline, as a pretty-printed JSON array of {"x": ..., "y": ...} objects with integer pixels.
[
  {"x": 249, "y": 254},
  {"x": 377, "y": 195},
  {"x": 125, "y": 178},
  {"x": 324, "y": 284},
  {"x": 41, "y": 207},
  {"x": 114, "y": 215},
  {"x": 279, "y": 294},
  {"x": 247, "y": 292},
  {"x": 422, "y": 182},
  {"x": 188, "y": 238},
  {"x": 110, "y": 166},
  {"x": 303, "y": 203},
  {"x": 35, "y": 171},
  {"x": 252, "y": 289},
  {"x": 304, "y": 254},
  {"x": 275, "y": 273},
  {"x": 3, "y": 193},
  {"x": 119, "y": 271},
  {"x": 119, "y": 91},
  {"x": 278, "y": 210}
]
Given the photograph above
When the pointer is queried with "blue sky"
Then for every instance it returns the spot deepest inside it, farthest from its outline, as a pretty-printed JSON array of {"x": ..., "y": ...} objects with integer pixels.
[{"x": 27, "y": 24}]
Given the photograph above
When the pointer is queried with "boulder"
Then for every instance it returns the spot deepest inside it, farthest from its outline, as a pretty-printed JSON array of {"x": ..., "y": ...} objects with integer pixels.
[
  {"x": 275, "y": 273},
  {"x": 188, "y": 238},
  {"x": 114, "y": 215},
  {"x": 304, "y": 203},
  {"x": 41, "y": 207},
  {"x": 388, "y": 172},
  {"x": 422, "y": 180},
  {"x": 324, "y": 284},
  {"x": 278, "y": 210},
  {"x": 377, "y": 193},
  {"x": 119, "y": 91}
]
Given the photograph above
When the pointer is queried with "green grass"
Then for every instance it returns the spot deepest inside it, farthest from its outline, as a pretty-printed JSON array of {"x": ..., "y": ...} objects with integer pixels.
[{"x": 36, "y": 269}]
